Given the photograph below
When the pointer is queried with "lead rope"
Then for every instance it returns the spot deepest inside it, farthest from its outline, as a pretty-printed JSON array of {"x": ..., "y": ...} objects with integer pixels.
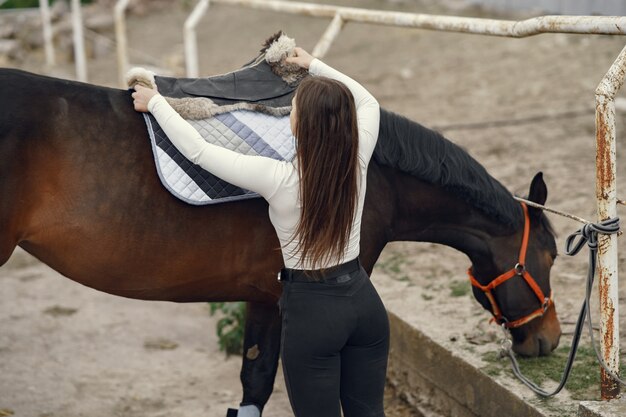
[{"x": 574, "y": 243}]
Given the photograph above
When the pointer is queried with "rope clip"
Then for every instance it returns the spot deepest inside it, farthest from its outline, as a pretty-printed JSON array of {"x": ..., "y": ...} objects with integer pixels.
[{"x": 506, "y": 344}]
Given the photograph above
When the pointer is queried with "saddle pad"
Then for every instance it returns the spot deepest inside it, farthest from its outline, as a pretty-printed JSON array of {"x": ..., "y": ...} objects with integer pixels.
[{"x": 246, "y": 132}]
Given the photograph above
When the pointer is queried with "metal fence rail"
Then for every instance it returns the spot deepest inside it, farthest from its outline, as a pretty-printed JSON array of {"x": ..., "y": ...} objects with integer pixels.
[
  {"x": 605, "y": 7},
  {"x": 612, "y": 25},
  {"x": 605, "y": 106},
  {"x": 615, "y": 25}
]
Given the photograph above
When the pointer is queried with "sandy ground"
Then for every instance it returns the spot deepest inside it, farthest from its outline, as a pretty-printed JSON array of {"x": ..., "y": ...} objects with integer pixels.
[
  {"x": 67, "y": 350},
  {"x": 518, "y": 105}
]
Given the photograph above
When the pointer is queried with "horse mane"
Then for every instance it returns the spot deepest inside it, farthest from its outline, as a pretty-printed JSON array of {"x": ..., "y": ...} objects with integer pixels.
[{"x": 427, "y": 155}]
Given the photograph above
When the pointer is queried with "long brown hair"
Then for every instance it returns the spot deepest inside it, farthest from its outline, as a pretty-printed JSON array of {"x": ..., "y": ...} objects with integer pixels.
[{"x": 327, "y": 151}]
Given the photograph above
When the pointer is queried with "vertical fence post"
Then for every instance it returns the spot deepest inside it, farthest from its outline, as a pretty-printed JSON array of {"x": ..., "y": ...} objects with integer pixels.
[
  {"x": 323, "y": 45},
  {"x": 190, "y": 39},
  {"x": 79, "y": 42},
  {"x": 47, "y": 32},
  {"x": 120, "y": 39},
  {"x": 606, "y": 195}
]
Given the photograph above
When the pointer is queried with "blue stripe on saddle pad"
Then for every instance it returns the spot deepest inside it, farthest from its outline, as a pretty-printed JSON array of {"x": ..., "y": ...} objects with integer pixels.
[{"x": 246, "y": 132}]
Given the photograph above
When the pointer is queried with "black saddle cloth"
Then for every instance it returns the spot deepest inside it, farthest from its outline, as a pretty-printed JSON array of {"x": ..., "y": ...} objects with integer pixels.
[{"x": 254, "y": 83}]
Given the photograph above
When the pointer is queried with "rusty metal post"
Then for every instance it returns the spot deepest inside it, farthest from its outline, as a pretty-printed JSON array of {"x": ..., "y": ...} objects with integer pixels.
[{"x": 606, "y": 195}]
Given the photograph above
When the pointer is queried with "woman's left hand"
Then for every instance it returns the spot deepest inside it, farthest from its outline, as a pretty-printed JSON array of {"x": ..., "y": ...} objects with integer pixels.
[
  {"x": 301, "y": 58},
  {"x": 142, "y": 96}
]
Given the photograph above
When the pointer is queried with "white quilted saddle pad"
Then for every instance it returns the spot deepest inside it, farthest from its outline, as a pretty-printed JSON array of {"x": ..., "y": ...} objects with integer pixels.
[{"x": 246, "y": 132}]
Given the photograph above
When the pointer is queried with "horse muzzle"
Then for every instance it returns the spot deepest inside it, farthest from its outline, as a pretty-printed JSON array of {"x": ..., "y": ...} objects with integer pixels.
[{"x": 538, "y": 337}]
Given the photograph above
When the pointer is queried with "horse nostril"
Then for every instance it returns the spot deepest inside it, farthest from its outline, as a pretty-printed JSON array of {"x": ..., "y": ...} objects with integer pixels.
[
  {"x": 543, "y": 346},
  {"x": 547, "y": 346}
]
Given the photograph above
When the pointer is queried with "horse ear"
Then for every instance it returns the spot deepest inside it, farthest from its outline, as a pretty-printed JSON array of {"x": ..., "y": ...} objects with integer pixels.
[{"x": 538, "y": 191}]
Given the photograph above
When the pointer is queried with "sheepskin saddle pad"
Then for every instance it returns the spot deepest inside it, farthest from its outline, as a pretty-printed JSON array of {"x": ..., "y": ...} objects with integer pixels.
[{"x": 246, "y": 111}]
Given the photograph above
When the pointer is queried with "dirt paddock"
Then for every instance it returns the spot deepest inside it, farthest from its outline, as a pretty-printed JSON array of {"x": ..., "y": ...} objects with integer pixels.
[{"x": 519, "y": 106}]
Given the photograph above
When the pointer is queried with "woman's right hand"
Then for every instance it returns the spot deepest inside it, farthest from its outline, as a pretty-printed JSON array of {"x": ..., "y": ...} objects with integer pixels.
[
  {"x": 142, "y": 96},
  {"x": 301, "y": 58}
]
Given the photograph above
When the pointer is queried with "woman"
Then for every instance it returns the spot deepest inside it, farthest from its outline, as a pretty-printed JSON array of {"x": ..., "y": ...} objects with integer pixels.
[{"x": 335, "y": 331}]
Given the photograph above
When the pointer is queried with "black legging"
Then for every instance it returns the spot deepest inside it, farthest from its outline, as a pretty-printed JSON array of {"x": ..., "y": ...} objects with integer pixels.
[{"x": 335, "y": 343}]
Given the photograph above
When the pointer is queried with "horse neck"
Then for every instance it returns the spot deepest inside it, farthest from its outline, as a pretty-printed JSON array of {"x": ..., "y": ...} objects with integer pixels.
[{"x": 426, "y": 213}]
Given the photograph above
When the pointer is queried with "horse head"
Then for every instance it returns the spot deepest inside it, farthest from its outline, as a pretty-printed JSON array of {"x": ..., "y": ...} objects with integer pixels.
[{"x": 515, "y": 286}]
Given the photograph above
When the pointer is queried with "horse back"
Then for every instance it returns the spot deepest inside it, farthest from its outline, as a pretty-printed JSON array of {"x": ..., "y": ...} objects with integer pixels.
[
  {"x": 80, "y": 192},
  {"x": 52, "y": 132}
]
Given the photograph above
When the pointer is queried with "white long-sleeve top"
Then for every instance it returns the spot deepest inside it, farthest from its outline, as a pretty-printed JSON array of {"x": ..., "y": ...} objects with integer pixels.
[{"x": 277, "y": 181}]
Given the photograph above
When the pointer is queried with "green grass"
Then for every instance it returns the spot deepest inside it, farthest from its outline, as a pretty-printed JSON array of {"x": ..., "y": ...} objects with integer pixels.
[
  {"x": 459, "y": 288},
  {"x": 393, "y": 266},
  {"x": 584, "y": 381},
  {"x": 585, "y": 377}
]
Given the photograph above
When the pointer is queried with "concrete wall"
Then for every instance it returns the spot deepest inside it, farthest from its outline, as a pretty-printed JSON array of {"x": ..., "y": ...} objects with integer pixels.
[{"x": 439, "y": 382}]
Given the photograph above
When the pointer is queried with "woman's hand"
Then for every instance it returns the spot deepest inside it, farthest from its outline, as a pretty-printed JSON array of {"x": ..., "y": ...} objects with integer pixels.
[
  {"x": 301, "y": 58},
  {"x": 142, "y": 96}
]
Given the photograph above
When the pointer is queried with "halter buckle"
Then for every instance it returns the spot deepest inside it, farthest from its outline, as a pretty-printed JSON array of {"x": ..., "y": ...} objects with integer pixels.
[
  {"x": 546, "y": 304},
  {"x": 506, "y": 343},
  {"x": 519, "y": 268}
]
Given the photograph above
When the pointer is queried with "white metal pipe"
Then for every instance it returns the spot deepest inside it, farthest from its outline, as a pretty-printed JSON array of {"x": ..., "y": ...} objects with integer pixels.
[
  {"x": 293, "y": 7},
  {"x": 121, "y": 40},
  {"x": 613, "y": 80},
  {"x": 79, "y": 42},
  {"x": 606, "y": 195},
  {"x": 328, "y": 37},
  {"x": 44, "y": 7},
  {"x": 190, "y": 39},
  {"x": 609, "y": 25}
]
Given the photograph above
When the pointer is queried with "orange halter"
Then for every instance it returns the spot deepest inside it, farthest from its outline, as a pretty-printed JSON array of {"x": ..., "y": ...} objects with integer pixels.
[{"x": 518, "y": 270}]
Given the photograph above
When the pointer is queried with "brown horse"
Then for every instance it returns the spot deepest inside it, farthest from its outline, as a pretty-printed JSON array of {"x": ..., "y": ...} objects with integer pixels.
[{"x": 79, "y": 191}]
